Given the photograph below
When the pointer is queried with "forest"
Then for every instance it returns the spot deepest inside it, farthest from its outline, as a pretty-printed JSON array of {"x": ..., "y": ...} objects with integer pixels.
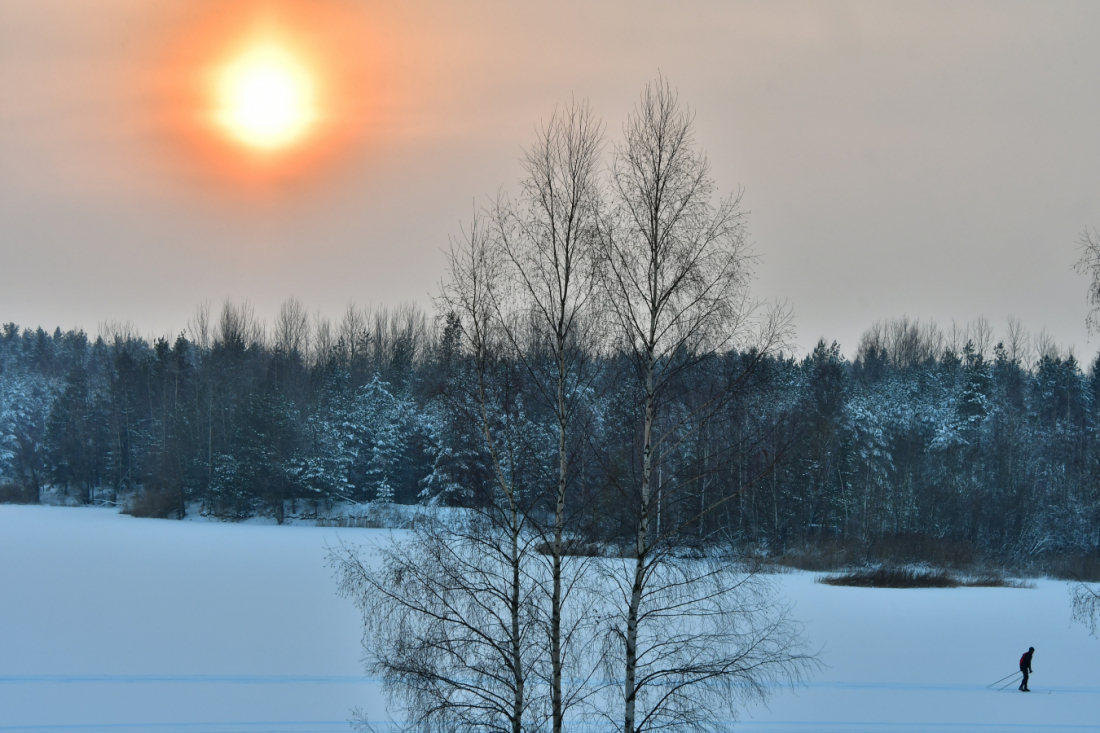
[{"x": 930, "y": 439}]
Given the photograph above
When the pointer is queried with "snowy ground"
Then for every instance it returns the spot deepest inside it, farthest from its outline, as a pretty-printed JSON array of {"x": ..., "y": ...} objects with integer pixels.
[{"x": 109, "y": 623}]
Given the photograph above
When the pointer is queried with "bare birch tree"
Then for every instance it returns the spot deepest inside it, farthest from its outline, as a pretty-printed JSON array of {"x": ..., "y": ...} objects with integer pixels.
[
  {"x": 1017, "y": 342},
  {"x": 549, "y": 242},
  {"x": 324, "y": 340},
  {"x": 677, "y": 268},
  {"x": 292, "y": 328},
  {"x": 451, "y": 618},
  {"x": 353, "y": 337},
  {"x": 238, "y": 328},
  {"x": 1089, "y": 264},
  {"x": 710, "y": 637},
  {"x": 199, "y": 327},
  {"x": 1086, "y": 605},
  {"x": 449, "y": 624}
]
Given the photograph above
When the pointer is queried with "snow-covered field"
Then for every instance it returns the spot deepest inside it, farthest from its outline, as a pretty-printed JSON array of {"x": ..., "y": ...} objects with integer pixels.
[{"x": 109, "y": 623}]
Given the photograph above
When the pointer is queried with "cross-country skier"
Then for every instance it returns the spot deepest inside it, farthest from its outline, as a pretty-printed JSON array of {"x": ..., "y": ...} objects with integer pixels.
[{"x": 1025, "y": 667}]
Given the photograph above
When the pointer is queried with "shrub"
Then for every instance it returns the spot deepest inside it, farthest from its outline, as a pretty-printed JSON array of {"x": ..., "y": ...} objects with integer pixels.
[
  {"x": 155, "y": 503},
  {"x": 372, "y": 516},
  {"x": 13, "y": 493},
  {"x": 572, "y": 547},
  {"x": 993, "y": 580},
  {"x": 1085, "y": 569},
  {"x": 885, "y": 577},
  {"x": 356, "y": 521},
  {"x": 895, "y": 577}
]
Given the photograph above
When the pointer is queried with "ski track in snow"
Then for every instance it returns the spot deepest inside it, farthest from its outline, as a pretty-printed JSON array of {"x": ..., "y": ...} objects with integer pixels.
[
  {"x": 113, "y": 624},
  {"x": 256, "y": 679},
  {"x": 342, "y": 726}
]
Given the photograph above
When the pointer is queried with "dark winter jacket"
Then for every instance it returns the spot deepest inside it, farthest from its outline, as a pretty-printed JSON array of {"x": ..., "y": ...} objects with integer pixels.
[{"x": 1025, "y": 662}]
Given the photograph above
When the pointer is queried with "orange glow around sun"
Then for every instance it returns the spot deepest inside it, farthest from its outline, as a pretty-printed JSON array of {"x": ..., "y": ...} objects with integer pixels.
[{"x": 269, "y": 91}]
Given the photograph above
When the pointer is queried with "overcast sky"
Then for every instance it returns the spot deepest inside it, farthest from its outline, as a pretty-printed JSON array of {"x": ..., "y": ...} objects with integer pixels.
[{"x": 932, "y": 159}]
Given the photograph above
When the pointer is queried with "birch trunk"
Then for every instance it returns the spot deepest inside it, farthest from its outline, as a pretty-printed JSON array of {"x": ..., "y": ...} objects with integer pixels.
[
  {"x": 630, "y": 690},
  {"x": 559, "y": 522}
]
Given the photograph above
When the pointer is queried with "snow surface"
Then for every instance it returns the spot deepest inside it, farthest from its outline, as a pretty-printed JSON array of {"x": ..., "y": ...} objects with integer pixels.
[{"x": 110, "y": 623}]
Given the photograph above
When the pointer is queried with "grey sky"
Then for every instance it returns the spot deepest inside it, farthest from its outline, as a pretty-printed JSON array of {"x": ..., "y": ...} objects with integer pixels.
[{"x": 932, "y": 159}]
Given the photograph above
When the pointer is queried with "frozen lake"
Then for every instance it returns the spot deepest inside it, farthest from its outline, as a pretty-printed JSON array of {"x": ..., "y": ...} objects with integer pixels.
[{"x": 109, "y": 623}]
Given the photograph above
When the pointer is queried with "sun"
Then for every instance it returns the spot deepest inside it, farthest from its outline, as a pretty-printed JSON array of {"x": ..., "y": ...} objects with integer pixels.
[
  {"x": 266, "y": 97},
  {"x": 263, "y": 94}
]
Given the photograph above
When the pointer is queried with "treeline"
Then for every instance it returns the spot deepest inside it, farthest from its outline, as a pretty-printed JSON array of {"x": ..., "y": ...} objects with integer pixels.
[
  {"x": 229, "y": 418},
  {"x": 925, "y": 435},
  {"x": 956, "y": 439}
]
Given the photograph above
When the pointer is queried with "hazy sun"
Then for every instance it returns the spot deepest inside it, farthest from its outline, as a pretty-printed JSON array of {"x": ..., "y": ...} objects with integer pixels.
[
  {"x": 266, "y": 97},
  {"x": 265, "y": 93}
]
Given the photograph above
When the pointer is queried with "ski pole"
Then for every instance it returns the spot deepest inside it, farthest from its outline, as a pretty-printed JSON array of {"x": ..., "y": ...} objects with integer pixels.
[
  {"x": 1010, "y": 682},
  {"x": 1002, "y": 679}
]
